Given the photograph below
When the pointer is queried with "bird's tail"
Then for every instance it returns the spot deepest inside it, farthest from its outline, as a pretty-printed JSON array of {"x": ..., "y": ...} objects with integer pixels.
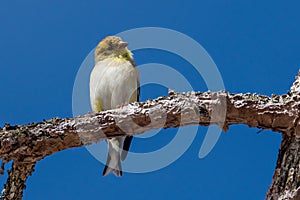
[
  {"x": 117, "y": 172},
  {"x": 113, "y": 163}
]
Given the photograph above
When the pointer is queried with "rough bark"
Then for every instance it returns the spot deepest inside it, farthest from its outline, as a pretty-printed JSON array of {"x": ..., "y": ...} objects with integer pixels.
[
  {"x": 17, "y": 176},
  {"x": 27, "y": 144},
  {"x": 286, "y": 179}
]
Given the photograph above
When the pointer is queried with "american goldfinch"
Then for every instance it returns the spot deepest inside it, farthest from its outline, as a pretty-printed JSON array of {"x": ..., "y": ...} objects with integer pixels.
[{"x": 114, "y": 82}]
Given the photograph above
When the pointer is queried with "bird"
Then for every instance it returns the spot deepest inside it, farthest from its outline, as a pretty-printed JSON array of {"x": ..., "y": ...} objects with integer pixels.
[{"x": 114, "y": 82}]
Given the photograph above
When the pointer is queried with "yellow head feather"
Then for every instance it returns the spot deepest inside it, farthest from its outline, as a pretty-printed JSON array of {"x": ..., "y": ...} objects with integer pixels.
[{"x": 113, "y": 47}]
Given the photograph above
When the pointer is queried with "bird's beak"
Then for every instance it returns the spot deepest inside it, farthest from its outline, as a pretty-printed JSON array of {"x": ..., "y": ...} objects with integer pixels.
[{"x": 123, "y": 45}]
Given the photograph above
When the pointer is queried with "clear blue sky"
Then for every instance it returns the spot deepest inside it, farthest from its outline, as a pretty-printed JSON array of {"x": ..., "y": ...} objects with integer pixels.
[{"x": 255, "y": 45}]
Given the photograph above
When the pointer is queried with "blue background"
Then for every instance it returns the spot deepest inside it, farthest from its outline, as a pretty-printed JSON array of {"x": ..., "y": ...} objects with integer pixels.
[{"x": 255, "y": 45}]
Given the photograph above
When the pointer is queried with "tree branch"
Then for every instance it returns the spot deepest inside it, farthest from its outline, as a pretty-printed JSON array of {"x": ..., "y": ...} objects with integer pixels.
[
  {"x": 30, "y": 143},
  {"x": 17, "y": 176},
  {"x": 286, "y": 179}
]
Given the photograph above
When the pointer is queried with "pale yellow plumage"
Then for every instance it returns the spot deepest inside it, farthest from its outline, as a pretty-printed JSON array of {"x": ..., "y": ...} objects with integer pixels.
[{"x": 114, "y": 82}]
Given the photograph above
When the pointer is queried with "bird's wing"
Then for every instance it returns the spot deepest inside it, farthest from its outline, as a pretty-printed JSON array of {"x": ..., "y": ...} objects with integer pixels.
[
  {"x": 138, "y": 87},
  {"x": 128, "y": 139}
]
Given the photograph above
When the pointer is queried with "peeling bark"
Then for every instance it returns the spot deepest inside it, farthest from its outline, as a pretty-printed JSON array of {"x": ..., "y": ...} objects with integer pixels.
[{"x": 27, "y": 144}]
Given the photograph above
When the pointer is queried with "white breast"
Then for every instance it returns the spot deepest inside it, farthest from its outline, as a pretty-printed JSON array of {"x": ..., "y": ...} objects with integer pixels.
[{"x": 113, "y": 84}]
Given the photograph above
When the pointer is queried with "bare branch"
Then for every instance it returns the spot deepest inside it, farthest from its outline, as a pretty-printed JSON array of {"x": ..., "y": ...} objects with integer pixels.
[
  {"x": 30, "y": 143},
  {"x": 286, "y": 179},
  {"x": 17, "y": 176}
]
